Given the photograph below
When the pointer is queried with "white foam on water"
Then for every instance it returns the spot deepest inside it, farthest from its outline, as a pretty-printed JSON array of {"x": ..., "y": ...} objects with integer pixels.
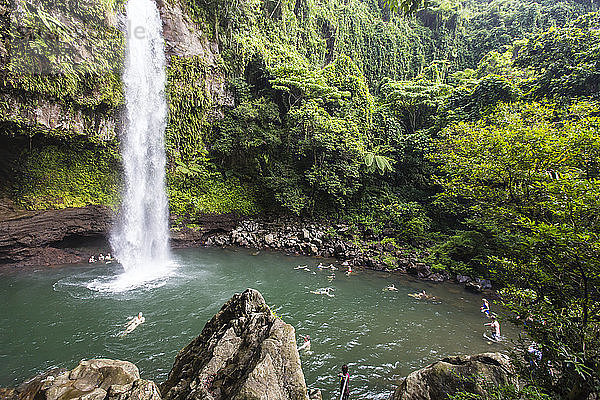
[
  {"x": 126, "y": 285},
  {"x": 140, "y": 239},
  {"x": 154, "y": 276}
]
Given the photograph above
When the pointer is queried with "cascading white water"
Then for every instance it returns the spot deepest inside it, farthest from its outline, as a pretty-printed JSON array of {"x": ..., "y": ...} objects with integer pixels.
[{"x": 140, "y": 240}]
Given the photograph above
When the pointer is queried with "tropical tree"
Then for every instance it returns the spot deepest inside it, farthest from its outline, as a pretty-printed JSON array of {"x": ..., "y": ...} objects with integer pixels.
[{"x": 534, "y": 183}]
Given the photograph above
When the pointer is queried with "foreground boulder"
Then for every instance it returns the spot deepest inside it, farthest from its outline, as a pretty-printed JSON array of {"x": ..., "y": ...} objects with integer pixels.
[
  {"x": 454, "y": 374},
  {"x": 98, "y": 379},
  {"x": 244, "y": 352}
]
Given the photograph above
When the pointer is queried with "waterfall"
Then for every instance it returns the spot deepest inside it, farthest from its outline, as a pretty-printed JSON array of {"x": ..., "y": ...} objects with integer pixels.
[{"x": 140, "y": 239}]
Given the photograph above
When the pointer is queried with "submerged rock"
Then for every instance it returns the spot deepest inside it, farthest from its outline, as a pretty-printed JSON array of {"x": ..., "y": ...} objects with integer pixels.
[
  {"x": 453, "y": 374},
  {"x": 96, "y": 379},
  {"x": 244, "y": 352}
]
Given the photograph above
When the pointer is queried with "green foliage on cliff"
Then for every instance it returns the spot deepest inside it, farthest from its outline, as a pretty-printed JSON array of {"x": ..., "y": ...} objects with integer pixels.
[
  {"x": 189, "y": 103},
  {"x": 59, "y": 175},
  {"x": 194, "y": 185},
  {"x": 63, "y": 50},
  {"x": 306, "y": 141},
  {"x": 306, "y": 32},
  {"x": 305, "y": 132},
  {"x": 303, "y": 137}
]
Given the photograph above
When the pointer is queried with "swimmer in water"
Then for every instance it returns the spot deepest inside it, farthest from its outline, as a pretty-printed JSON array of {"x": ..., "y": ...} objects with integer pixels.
[
  {"x": 422, "y": 295},
  {"x": 306, "y": 345},
  {"x": 324, "y": 291},
  {"x": 133, "y": 323},
  {"x": 391, "y": 288}
]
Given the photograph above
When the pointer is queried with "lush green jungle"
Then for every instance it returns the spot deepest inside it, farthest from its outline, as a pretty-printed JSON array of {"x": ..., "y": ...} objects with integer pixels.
[{"x": 468, "y": 130}]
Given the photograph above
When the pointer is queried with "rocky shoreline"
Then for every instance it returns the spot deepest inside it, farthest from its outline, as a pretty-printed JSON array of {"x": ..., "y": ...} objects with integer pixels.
[
  {"x": 345, "y": 243},
  {"x": 246, "y": 352},
  {"x": 55, "y": 237}
]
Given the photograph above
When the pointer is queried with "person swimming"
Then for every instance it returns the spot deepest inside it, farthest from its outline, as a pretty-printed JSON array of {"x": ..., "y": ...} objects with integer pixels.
[
  {"x": 349, "y": 272},
  {"x": 485, "y": 308},
  {"x": 133, "y": 323},
  {"x": 391, "y": 288},
  {"x": 324, "y": 291},
  {"x": 306, "y": 345},
  {"x": 422, "y": 295}
]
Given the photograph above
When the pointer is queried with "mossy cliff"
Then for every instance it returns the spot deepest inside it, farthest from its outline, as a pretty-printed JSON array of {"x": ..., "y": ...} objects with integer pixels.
[
  {"x": 60, "y": 92},
  {"x": 271, "y": 102}
]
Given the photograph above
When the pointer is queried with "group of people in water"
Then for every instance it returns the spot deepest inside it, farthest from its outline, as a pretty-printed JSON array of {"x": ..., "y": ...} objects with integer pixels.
[
  {"x": 493, "y": 324},
  {"x": 107, "y": 259},
  {"x": 327, "y": 291}
]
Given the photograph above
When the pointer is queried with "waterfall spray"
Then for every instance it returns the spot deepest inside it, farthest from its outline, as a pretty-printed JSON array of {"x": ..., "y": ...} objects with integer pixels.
[{"x": 140, "y": 240}]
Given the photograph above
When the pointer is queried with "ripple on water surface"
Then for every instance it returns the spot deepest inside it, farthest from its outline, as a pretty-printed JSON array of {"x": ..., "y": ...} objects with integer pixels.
[{"x": 56, "y": 317}]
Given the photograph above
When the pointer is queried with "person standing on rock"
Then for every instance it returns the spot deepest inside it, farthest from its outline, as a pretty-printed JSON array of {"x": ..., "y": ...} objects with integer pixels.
[{"x": 344, "y": 383}]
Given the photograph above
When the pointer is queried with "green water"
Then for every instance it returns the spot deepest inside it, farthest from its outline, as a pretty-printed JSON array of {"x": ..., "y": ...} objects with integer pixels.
[{"x": 49, "y": 318}]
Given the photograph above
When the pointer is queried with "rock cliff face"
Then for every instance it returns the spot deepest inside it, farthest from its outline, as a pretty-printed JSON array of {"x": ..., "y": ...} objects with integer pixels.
[
  {"x": 244, "y": 352},
  {"x": 40, "y": 237},
  {"x": 454, "y": 374}
]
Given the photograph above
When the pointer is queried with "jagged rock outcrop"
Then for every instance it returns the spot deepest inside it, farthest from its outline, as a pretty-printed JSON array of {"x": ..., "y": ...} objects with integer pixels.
[
  {"x": 98, "y": 379},
  {"x": 454, "y": 374},
  {"x": 40, "y": 237},
  {"x": 244, "y": 352}
]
